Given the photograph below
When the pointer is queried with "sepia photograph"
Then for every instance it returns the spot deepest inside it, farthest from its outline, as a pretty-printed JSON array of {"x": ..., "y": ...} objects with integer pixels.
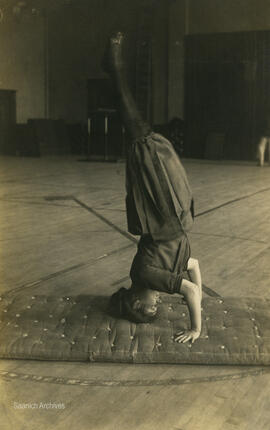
[{"x": 135, "y": 215}]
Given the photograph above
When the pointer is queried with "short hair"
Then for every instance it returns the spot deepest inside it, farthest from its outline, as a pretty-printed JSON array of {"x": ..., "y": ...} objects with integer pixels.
[{"x": 121, "y": 306}]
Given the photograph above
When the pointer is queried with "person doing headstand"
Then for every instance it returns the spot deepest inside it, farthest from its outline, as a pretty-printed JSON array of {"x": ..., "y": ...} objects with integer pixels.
[{"x": 159, "y": 208}]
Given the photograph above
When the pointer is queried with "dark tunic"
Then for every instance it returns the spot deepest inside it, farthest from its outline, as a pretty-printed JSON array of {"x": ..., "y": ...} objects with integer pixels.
[{"x": 159, "y": 200}]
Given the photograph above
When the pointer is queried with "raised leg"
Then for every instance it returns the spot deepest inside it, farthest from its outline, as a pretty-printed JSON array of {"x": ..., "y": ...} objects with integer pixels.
[{"x": 114, "y": 65}]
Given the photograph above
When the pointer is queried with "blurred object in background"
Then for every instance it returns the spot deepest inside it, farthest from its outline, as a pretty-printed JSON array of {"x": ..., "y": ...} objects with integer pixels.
[{"x": 174, "y": 132}]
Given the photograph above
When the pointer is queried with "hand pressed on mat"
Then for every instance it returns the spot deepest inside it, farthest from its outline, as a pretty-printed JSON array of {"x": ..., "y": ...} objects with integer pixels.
[
  {"x": 185, "y": 336},
  {"x": 192, "y": 296}
]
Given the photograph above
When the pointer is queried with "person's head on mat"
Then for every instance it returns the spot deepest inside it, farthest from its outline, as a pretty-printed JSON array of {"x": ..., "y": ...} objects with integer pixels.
[{"x": 136, "y": 304}]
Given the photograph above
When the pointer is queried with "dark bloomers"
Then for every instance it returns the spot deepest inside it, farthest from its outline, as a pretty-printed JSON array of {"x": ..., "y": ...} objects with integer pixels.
[{"x": 160, "y": 265}]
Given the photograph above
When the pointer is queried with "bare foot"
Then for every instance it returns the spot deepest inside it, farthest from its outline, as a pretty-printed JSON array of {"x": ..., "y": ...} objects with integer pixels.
[{"x": 112, "y": 61}]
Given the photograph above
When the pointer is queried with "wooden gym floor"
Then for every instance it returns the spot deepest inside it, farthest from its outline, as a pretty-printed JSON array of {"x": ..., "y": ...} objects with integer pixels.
[{"x": 63, "y": 229}]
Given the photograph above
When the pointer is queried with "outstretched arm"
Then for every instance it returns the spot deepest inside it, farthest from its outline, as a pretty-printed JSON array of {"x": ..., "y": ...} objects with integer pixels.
[
  {"x": 195, "y": 274},
  {"x": 191, "y": 293}
]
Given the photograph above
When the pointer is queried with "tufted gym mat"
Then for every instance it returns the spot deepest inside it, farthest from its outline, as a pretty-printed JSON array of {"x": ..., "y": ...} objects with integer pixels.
[{"x": 77, "y": 328}]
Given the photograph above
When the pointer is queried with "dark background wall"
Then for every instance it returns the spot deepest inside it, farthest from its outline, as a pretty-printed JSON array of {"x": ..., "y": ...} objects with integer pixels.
[
  {"x": 22, "y": 61},
  {"x": 51, "y": 79},
  {"x": 212, "y": 16},
  {"x": 177, "y": 29},
  {"x": 160, "y": 63},
  {"x": 77, "y": 40},
  {"x": 203, "y": 17}
]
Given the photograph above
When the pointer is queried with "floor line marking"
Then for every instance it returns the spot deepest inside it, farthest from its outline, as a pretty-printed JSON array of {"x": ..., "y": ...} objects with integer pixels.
[
  {"x": 227, "y": 237},
  {"x": 10, "y": 375},
  {"x": 63, "y": 271},
  {"x": 209, "y": 291},
  {"x": 119, "y": 281},
  {"x": 231, "y": 201},
  {"x": 31, "y": 202},
  {"x": 105, "y": 220}
]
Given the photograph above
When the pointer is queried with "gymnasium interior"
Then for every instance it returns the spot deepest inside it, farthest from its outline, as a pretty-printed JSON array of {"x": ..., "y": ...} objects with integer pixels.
[{"x": 202, "y": 65}]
